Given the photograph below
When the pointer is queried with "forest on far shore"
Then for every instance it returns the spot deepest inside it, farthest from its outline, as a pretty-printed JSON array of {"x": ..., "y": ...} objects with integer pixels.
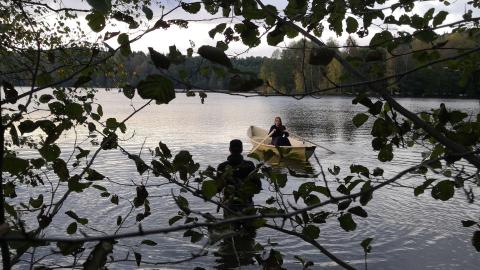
[{"x": 288, "y": 70}]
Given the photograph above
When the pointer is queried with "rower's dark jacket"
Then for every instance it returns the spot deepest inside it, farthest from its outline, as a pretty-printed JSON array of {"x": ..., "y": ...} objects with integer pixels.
[
  {"x": 279, "y": 137},
  {"x": 279, "y": 131}
]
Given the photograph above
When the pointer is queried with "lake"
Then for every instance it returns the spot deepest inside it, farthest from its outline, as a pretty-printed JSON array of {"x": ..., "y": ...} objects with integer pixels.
[{"x": 409, "y": 232}]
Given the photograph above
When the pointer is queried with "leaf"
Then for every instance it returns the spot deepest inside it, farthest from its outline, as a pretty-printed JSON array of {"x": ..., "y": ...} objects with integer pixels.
[
  {"x": 50, "y": 152},
  {"x": 359, "y": 211},
  {"x": 191, "y": 7},
  {"x": 124, "y": 42},
  {"x": 344, "y": 205},
  {"x": 96, "y": 21},
  {"x": 93, "y": 175},
  {"x": 352, "y": 25},
  {"x": 366, "y": 193},
  {"x": 156, "y": 87},
  {"x": 209, "y": 188},
  {"x": 444, "y": 190},
  {"x": 36, "y": 203},
  {"x": 103, "y": 6},
  {"x": 476, "y": 240},
  {"x": 276, "y": 36},
  {"x": 114, "y": 199},
  {"x": 148, "y": 12},
  {"x": 439, "y": 18},
  {"x": 174, "y": 219},
  {"x": 359, "y": 119},
  {"x": 366, "y": 245},
  {"x": 60, "y": 168},
  {"x": 347, "y": 223},
  {"x": 194, "y": 235},
  {"x": 119, "y": 220},
  {"x": 182, "y": 204},
  {"x": 129, "y": 91},
  {"x": 311, "y": 232},
  {"x": 138, "y": 258},
  {"x": 382, "y": 39},
  {"x": 72, "y": 228},
  {"x": 149, "y": 243},
  {"x": 217, "y": 29},
  {"x": 386, "y": 153},
  {"x": 159, "y": 60},
  {"x": 10, "y": 92},
  {"x": 468, "y": 223},
  {"x": 45, "y": 98},
  {"x": 215, "y": 55},
  {"x": 14, "y": 165}
]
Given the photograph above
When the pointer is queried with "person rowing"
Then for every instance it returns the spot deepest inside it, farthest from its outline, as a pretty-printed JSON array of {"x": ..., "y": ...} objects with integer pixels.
[{"x": 279, "y": 135}]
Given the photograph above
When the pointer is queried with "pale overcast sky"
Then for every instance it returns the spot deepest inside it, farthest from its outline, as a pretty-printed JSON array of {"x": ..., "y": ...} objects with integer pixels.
[{"x": 197, "y": 32}]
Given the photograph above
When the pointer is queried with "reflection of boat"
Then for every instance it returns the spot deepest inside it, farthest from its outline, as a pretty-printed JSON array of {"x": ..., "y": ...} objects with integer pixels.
[
  {"x": 282, "y": 165},
  {"x": 300, "y": 149}
]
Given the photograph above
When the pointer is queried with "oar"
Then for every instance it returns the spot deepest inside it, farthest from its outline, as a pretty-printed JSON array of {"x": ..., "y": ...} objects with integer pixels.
[
  {"x": 312, "y": 142},
  {"x": 258, "y": 145}
]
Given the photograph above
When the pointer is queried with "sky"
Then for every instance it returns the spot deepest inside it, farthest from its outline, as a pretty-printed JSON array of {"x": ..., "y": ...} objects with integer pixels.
[{"x": 197, "y": 32}]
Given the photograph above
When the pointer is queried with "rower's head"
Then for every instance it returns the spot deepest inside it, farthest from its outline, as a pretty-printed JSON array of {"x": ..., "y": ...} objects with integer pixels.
[
  {"x": 278, "y": 121},
  {"x": 236, "y": 146}
]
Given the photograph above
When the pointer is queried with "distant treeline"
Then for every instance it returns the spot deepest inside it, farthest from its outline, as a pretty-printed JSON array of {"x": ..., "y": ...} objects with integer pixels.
[{"x": 289, "y": 70}]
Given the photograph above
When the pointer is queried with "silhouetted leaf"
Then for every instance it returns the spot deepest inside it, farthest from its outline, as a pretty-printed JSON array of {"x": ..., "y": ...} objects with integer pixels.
[
  {"x": 359, "y": 211},
  {"x": 215, "y": 55},
  {"x": 209, "y": 188},
  {"x": 159, "y": 60},
  {"x": 60, "y": 168},
  {"x": 347, "y": 223},
  {"x": 468, "y": 223},
  {"x": 444, "y": 190},
  {"x": 191, "y": 7},
  {"x": 149, "y": 242},
  {"x": 14, "y": 165},
  {"x": 359, "y": 119},
  {"x": 366, "y": 245},
  {"x": 93, "y": 175},
  {"x": 36, "y": 203},
  {"x": 174, "y": 219},
  {"x": 217, "y": 29},
  {"x": 72, "y": 228},
  {"x": 148, "y": 12},
  {"x": 311, "y": 232},
  {"x": 103, "y": 6},
  {"x": 156, "y": 87},
  {"x": 476, "y": 240},
  {"x": 50, "y": 152},
  {"x": 352, "y": 25},
  {"x": 96, "y": 21}
]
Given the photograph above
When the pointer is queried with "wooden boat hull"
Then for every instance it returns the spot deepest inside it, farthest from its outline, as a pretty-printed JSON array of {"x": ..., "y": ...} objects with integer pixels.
[{"x": 300, "y": 149}]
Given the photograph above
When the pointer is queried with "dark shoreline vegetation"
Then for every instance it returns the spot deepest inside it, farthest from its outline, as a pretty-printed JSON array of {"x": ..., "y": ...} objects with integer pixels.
[{"x": 282, "y": 72}]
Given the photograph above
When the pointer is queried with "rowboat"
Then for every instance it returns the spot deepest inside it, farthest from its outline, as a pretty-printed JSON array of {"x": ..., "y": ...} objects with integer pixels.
[{"x": 300, "y": 149}]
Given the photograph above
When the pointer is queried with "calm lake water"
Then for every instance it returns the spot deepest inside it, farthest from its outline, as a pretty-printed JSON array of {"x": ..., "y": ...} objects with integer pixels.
[{"x": 409, "y": 232}]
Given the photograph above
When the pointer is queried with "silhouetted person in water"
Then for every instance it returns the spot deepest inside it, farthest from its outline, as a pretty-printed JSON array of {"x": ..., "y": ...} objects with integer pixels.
[{"x": 239, "y": 187}]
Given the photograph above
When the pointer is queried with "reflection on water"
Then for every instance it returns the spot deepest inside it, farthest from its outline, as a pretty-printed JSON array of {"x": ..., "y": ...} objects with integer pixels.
[
  {"x": 409, "y": 232},
  {"x": 282, "y": 165},
  {"x": 237, "y": 249}
]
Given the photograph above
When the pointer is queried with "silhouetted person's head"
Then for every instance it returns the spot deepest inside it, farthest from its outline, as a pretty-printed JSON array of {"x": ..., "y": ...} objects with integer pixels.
[{"x": 236, "y": 146}]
